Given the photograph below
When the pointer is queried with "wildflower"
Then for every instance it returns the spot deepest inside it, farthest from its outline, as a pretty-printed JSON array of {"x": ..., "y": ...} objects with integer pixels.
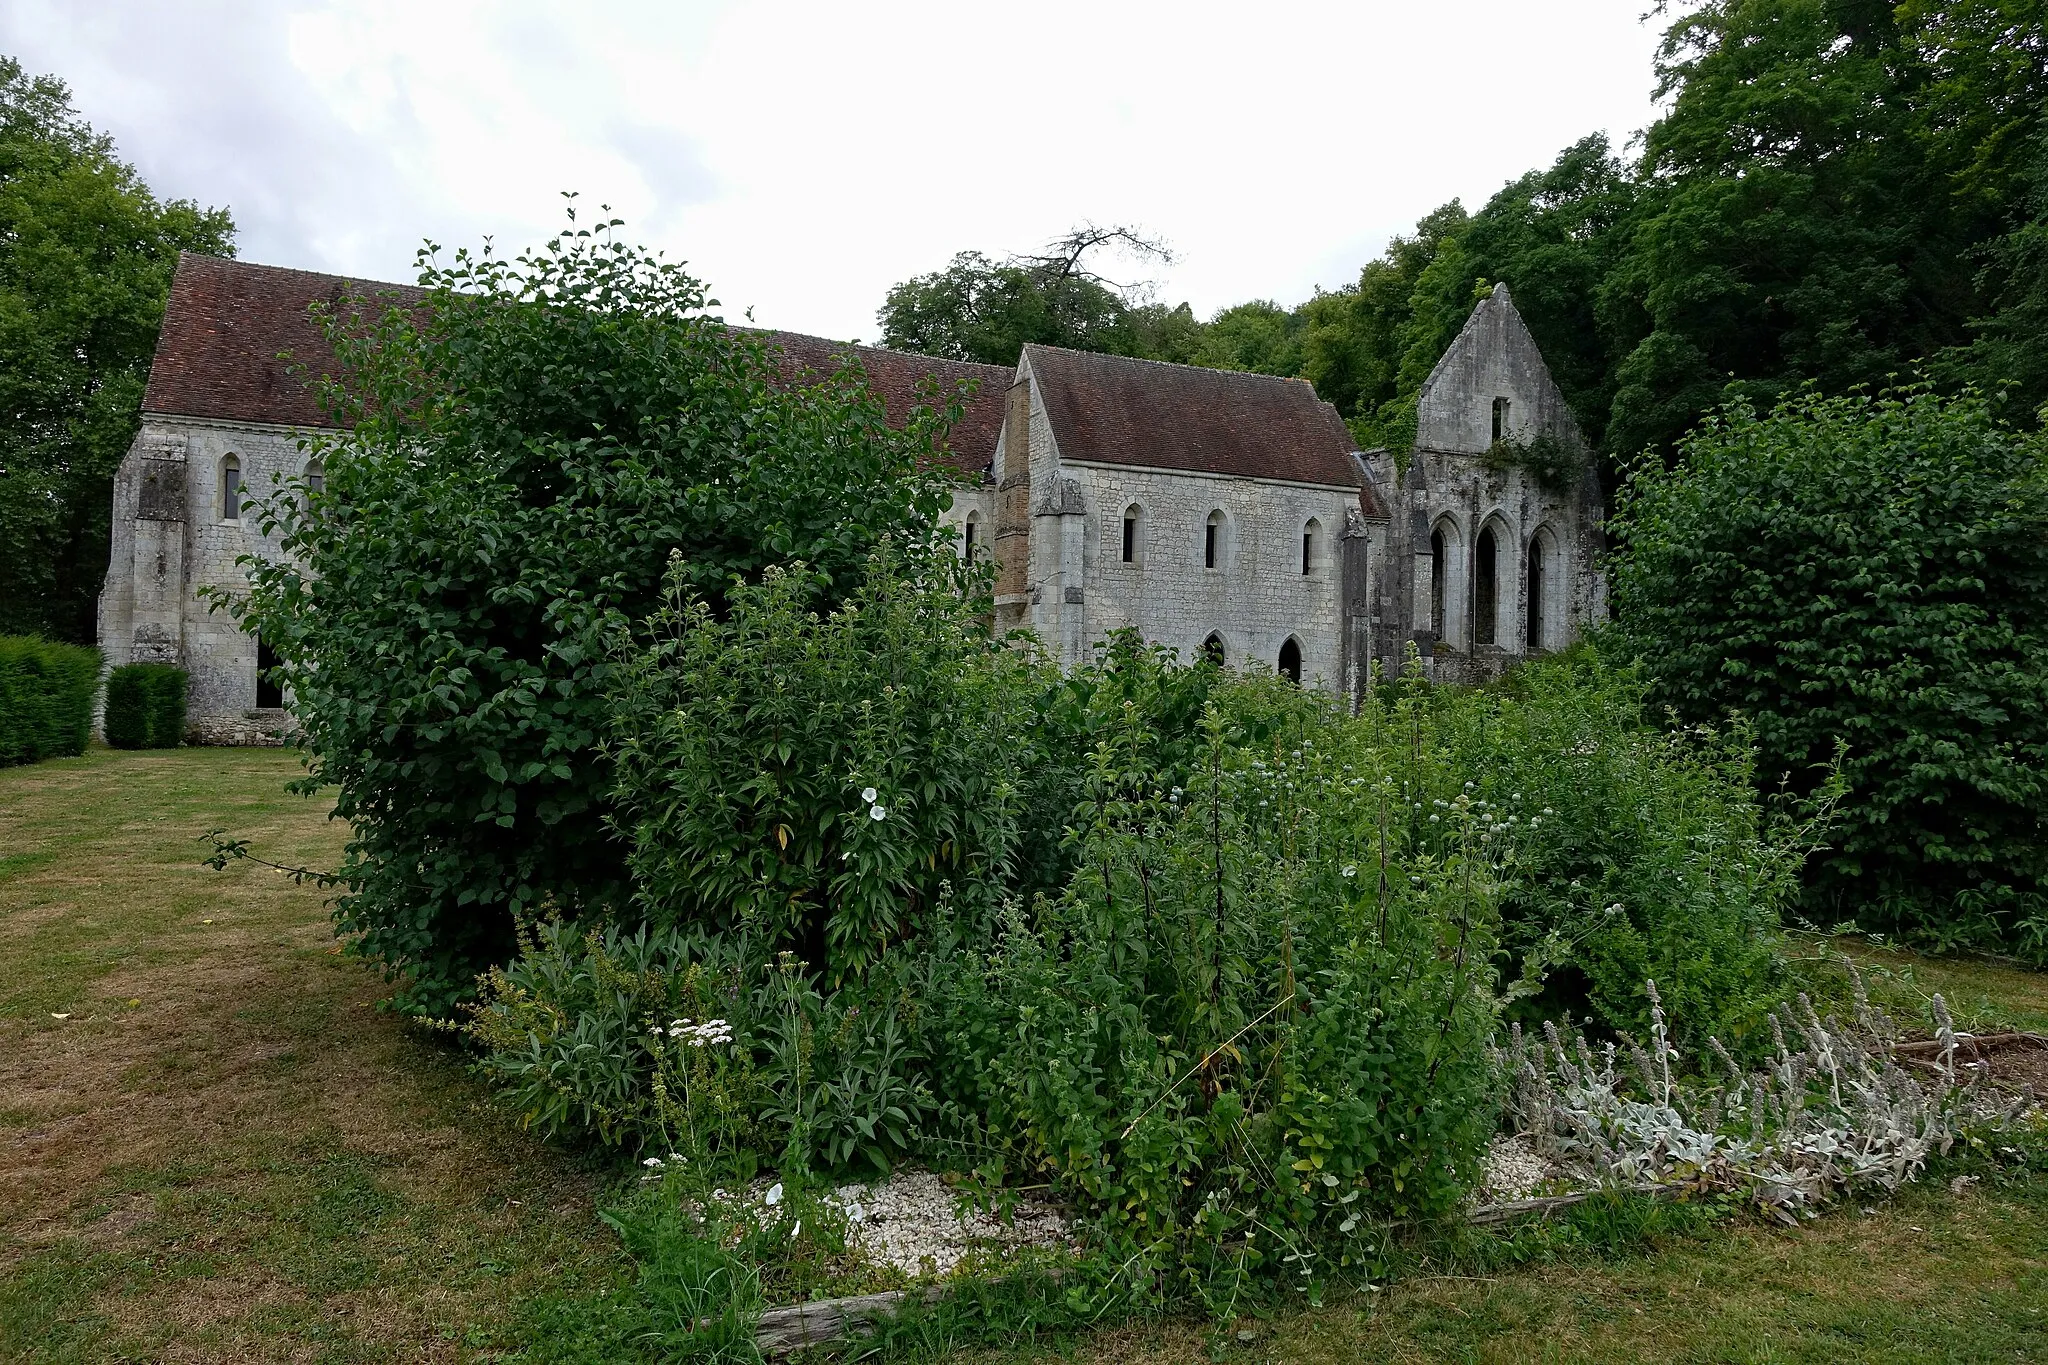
[
  {"x": 774, "y": 1195},
  {"x": 652, "y": 1163},
  {"x": 1350, "y": 869},
  {"x": 878, "y": 812},
  {"x": 797, "y": 1229},
  {"x": 869, "y": 794}
]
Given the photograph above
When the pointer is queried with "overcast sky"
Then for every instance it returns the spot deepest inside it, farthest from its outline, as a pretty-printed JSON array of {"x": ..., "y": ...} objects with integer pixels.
[{"x": 805, "y": 156}]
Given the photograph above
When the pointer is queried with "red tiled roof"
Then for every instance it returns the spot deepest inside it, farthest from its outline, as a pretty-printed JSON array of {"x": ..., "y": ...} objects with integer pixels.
[
  {"x": 224, "y": 327},
  {"x": 227, "y": 322},
  {"x": 1153, "y": 415},
  {"x": 894, "y": 376}
]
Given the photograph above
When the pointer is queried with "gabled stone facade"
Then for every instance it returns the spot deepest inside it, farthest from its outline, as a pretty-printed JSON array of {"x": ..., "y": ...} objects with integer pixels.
[{"x": 1495, "y": 563}]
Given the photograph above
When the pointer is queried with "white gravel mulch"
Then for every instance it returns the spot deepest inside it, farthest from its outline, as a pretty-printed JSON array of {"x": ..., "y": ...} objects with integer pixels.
[
  {"x": 911, "y": 1221},
  {"x": 1511, "y": 1170}
]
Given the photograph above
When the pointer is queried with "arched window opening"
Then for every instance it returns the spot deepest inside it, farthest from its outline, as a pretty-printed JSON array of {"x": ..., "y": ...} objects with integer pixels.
[
  {"x": 231, "y": 488},
  {"x": 1212, "y": 649},
  {"x": 1130, "y": 555},
  {"x": 269, "y": 689},
  {"x": 1539, "y": 565},
  {"x": 1212, "y": 541},
  {"x": 1500, "y": 419},
  {"x": 1486, "y": 598},
  {"x": 970, "y": 536},
  {"x": 1311, "y": 545},
  {"x": 1290, "y": 660},
  {"x": 1436, "y": 583},
  {"x": 316, "y": 477}
]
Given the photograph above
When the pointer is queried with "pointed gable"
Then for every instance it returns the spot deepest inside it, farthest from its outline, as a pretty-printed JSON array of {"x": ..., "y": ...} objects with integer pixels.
[{"x": 1494, "y": 367}]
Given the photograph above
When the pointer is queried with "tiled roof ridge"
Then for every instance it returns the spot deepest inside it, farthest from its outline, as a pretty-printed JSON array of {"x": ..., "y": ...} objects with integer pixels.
[{"x": 1171, "y": 364}]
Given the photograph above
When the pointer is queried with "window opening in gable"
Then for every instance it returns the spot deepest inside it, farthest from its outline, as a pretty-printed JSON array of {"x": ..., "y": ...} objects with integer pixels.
[{"x": 1500, "y": 419}]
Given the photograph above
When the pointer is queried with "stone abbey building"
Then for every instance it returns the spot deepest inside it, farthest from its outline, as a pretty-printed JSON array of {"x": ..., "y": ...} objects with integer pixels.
[{"x": 1211, "y": 511}]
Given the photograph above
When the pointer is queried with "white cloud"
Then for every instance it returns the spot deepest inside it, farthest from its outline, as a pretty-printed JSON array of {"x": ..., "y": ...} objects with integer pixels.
[{"x": 803, "y": 156}]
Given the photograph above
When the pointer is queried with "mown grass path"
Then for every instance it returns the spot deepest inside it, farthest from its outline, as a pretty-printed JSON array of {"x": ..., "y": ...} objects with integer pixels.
[{"x": 225, "y": 1151}]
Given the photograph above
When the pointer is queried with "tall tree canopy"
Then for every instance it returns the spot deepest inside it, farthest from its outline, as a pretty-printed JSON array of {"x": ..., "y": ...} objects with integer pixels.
[
  {"x": 1841, "y": 192},
  {"x": 984, "y": 310},
  {"x": 86, "y": 257}
]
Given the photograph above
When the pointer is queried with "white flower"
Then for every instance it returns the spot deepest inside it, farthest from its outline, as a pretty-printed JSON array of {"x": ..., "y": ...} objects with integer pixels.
[
  {"x": 869, "y": 794},
  {"x": 652, "y": 1163},
  {"x": 878, "y": 812},
  {"x": 1350, "y": 869},
  {"x": 774, "y": 1195},
  {"x": 795, "y": 1230}
]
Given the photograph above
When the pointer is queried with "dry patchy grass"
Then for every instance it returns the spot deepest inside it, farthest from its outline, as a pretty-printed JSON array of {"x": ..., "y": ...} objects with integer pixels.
[{"x": 225, "y": 1151}]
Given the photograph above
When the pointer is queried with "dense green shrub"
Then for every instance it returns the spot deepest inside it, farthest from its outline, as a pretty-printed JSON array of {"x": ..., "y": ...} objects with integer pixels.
[
  {"x": 1640, "y": 853},
  {"x": 1869, "y": 572},
  {"x": 525, "y": 452},
  {"x": 46, "y": 693},
  {"x": 823, "y": 778},
  {"x": 146, "y": 706}
]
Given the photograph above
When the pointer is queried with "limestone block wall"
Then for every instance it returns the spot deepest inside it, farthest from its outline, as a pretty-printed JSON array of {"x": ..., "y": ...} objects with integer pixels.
[
  {"x": 1254, "y": 599},
  {"x": 170, "y": 539}
]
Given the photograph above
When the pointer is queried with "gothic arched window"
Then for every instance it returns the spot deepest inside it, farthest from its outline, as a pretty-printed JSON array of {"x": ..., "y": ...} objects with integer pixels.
[
  {"x": 970, "y": 537},
  {"x": 1133, "y": 529},
  {"x": 316, "y": 476},
  {"x": 1486, "y": 595},
  {"x": 1290, "y": 660},
  {"x": 1212, "y": 541},
  {"x": 1212, "y": 649},
  {"x": 231, "y": 488},
  {"x": 1311, "y": 545}
]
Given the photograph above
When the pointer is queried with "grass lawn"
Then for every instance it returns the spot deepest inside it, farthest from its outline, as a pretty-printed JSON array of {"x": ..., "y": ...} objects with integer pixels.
[{"x": 224, "y": 1152}]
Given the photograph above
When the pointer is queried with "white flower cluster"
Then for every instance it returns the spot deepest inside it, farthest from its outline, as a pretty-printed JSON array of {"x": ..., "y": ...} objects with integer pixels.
[
  {"x": 876, "y": 811},
  {"x": 709, "y": 1033}
]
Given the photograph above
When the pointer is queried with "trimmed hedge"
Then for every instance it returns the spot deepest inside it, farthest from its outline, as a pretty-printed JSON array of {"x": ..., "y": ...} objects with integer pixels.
[
  {"x": 46, "y": 695},
  {"x": 146, "y": 706}
]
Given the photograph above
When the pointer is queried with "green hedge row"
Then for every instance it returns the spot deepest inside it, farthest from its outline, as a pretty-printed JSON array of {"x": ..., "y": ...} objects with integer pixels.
[
  {"x": 146, "y": 706},
  {"x": 46, "y": 695}
]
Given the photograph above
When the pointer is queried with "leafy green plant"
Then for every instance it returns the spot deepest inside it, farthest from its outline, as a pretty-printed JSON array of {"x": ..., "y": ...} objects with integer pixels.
[
  {"x": 46, "y": 694},
  {"x": 1870, "y": 573},
  {"x": 530, "y": 450},
  {"x": 146, "y": 706},
  {"x": 823, "y": 778}
]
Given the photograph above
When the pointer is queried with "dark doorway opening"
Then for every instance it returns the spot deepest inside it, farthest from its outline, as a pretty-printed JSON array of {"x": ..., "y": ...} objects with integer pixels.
[
  {"x": 1485, "y": 601},
  {"x": 1290, "y": 661},
  {"x": 269, "y": 691},
  {"x": 1212, "y": 650}
]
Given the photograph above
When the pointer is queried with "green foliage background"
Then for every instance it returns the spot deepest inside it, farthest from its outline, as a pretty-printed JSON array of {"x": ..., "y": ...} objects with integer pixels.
[
  {"x": 1837, "y": 193},
  {"x": 86, "y": 258},
  {"x": 1873, "y": 574}
]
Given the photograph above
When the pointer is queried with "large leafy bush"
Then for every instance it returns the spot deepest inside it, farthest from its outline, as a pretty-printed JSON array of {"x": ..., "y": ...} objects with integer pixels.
[
  {"x": 1869, "y": 572},
  {"x": 531, "y": 448},
  {"x": 46, "y": 693}
]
